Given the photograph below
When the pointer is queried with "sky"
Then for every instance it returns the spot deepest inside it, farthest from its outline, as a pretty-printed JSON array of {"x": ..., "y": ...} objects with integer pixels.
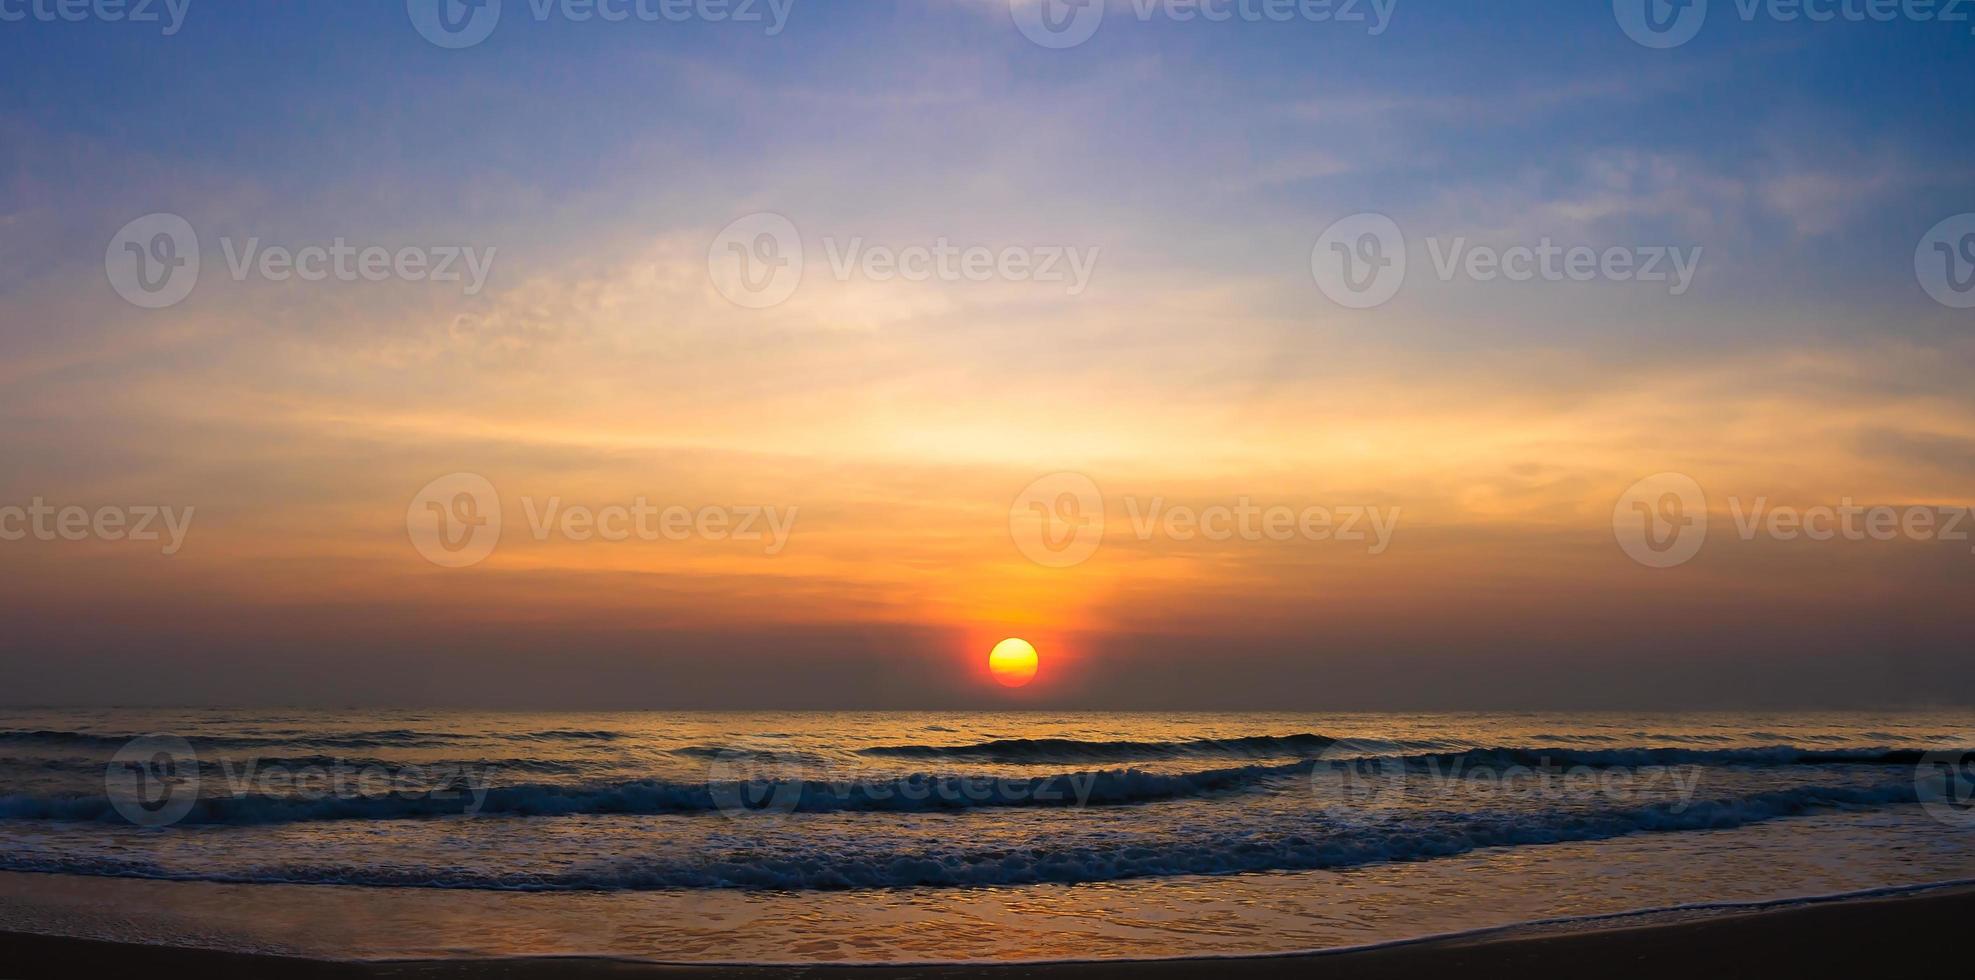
[{"x": 1148, "y": 305}]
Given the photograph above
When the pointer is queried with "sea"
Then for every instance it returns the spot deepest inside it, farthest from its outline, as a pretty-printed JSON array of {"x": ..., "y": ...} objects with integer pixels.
[{"x": 897, "y": 837}]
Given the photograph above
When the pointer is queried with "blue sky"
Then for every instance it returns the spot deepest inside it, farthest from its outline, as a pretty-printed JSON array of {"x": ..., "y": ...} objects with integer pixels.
[{"x": 880, "y": 110}]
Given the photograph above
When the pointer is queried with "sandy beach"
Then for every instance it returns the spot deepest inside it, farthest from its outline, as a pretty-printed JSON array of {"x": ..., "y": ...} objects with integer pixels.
[{"x": 1862, "y": 935}]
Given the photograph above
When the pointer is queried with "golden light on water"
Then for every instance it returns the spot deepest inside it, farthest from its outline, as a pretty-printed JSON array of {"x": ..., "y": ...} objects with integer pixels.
[{"x": 1013, "y": 662}]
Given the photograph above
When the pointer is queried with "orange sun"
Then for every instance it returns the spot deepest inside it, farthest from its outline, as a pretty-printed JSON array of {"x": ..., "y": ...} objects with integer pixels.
[{"x": 1013, "y": 662}]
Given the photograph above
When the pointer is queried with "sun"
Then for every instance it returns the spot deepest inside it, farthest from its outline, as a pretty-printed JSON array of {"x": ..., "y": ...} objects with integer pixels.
[{"x": 1013, "y": 662}]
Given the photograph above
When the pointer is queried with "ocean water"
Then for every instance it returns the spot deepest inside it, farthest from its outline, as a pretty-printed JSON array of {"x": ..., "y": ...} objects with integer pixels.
[{"x": 871, "y": 837}]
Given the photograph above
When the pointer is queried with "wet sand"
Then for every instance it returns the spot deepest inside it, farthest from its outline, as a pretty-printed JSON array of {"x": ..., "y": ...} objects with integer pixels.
[{"x": 1862, "y": 936}]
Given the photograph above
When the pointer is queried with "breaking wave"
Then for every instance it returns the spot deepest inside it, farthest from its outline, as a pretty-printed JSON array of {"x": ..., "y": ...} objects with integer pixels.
[{"x": 1315, "y": 843}]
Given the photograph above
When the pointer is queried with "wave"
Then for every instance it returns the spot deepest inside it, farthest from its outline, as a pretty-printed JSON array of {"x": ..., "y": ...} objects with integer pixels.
[
  {"x": 1773, "y": 755},
  {"x": 569, "y": 735},
  {"x": 1019, "y": 750},
  {"x": 911, "y": 794},
  {"x": 1061, "y": 750},
  {"x": 311, "y": 766},
  {"x": 736, "y": 754},
  {"x": 38, "y": 737},
  {"x": 392, "y": 738},
  {"x": 1312, "y": 844},
  {"x": 918, "y": 792}
]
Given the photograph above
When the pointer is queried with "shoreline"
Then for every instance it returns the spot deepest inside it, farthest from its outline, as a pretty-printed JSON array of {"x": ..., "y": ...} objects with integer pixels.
[{"x": 1879, "y": 930}]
